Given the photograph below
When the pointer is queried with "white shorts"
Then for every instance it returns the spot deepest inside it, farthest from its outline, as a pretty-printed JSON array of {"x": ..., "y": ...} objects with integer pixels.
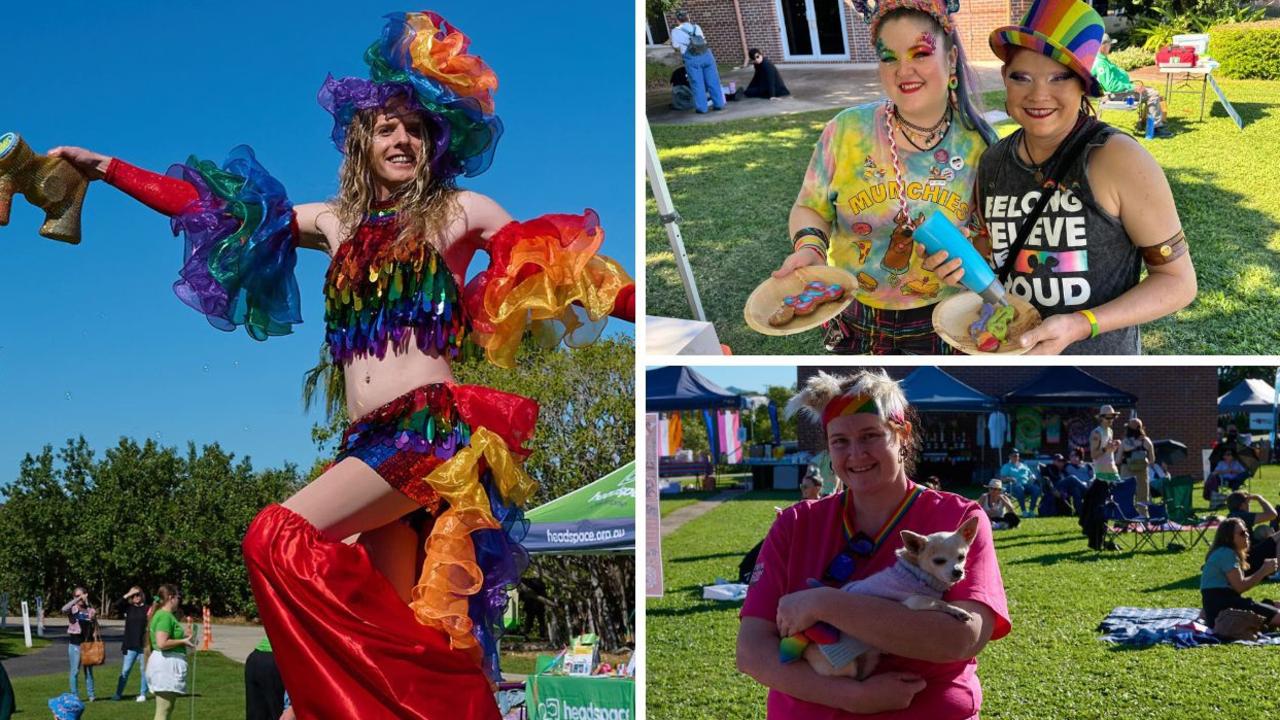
[{"x": 167, "y": 672}]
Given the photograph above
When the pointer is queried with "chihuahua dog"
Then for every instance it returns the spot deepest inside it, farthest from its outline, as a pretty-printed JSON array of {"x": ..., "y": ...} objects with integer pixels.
[{"x": 928, "y": 566}]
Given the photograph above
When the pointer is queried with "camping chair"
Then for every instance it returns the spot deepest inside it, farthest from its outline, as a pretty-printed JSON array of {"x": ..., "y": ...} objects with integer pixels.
[
  {"x": 1178, "y": 491},
  {"x": 1124, "y": 520}
]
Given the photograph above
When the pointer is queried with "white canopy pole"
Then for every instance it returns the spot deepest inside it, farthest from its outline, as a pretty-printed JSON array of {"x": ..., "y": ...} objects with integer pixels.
[{"x": 670, "y": 220}]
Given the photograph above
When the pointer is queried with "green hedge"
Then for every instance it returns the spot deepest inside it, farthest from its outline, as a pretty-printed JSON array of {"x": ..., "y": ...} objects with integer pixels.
[
  {"x": 1132, "y": 58},
  {"x": 1247, "y": 50}
]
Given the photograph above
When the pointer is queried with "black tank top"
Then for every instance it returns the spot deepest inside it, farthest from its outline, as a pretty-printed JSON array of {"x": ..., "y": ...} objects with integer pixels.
[{"x": 1077, "y": 257}]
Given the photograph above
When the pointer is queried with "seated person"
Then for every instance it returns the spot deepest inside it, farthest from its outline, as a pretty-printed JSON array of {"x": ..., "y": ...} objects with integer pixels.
[
  {"x": 1077, "y": 476},
  {"x": 1263, "y": 543},
  {"x": 1116, "y": 84},
  {"x": 766, "y": 83},
  {"x": 1223, "y": 582},
  {"x": 1021, "y": 481},
  {"x": 1057, "y": 497},
  {"x": 998, "y": 507},
  {"x": 1157, "y": 473},
  {"x": 1227, "y": 472},
  {"x": 681, "y": 91}
]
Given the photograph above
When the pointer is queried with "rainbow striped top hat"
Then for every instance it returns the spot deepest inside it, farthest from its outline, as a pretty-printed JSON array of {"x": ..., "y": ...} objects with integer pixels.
[{"x": 1069, "y": 31}]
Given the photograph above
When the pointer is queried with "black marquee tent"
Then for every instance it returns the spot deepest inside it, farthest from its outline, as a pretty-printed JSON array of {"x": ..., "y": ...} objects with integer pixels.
[{"x": 1068, "y": 387}]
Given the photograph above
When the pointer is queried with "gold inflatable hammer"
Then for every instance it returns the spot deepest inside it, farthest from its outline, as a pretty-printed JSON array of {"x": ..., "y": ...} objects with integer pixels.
[{"x": 50, "y": 184}]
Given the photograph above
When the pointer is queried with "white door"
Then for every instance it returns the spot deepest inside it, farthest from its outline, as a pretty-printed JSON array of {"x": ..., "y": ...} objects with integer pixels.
[{"x": 812, "y": 30}]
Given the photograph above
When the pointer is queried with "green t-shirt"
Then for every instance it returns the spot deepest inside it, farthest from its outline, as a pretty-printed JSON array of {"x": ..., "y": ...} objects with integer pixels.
[
  {"x": 164, "y": 621},
  {"x": 265, "y": 645},
  {"x": 1110, "y": 76},
  {"x": 1220, "y": 562}
]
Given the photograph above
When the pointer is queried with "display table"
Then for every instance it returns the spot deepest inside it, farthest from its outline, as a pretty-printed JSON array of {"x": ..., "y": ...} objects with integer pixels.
[
  {"x": 568, "y": 697},
  {"x": 1186, "y": 83}
]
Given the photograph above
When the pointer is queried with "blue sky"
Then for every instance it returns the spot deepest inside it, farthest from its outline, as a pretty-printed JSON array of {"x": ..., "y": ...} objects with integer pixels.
[
  {"x": 749, "y": 378},
  {"x": 95, "y": 343}
]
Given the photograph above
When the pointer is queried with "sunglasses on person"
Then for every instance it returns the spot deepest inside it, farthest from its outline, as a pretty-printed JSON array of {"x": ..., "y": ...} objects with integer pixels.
[{"x": 842, "y": 566}]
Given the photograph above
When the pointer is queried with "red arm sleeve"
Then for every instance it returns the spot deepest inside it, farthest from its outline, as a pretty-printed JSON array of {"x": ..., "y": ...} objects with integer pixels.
[
  {"x": 624, "y": 305},
  {"x": 161, "y": 193}
]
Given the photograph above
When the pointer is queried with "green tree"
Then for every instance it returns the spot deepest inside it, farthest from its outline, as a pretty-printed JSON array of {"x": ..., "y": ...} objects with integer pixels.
[{"x": 1230, "y": 376}]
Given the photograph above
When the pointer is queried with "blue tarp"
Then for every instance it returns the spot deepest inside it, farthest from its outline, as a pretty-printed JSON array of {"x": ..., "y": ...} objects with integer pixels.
[
  {"x": 930, "y": 389},
  {"x": 682, "y": 388},
  {"x": 1249, "y": 396},
  {"x": 1068, "y": 387}
]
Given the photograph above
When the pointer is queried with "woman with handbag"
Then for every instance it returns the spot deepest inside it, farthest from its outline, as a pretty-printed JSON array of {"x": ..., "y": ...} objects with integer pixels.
[
  {"x": 1136, "y": 454},
  {"x": 1223, "y": 582},
  {"x": 167, "y": 666},
  {"x": 1076, "y": 254},
  {"x": 82, "y": 634}
]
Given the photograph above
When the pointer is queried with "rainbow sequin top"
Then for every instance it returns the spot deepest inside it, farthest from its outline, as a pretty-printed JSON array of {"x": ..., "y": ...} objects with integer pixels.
[{"x": 380, "y": 292}]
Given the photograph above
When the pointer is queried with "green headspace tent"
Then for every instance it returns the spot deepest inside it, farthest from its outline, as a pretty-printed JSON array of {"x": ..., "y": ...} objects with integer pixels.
[{"x": 597, "y": 518}]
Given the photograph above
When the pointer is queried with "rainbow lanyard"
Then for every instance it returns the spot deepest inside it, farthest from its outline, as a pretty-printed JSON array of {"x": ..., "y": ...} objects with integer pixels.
[{"x": 859, "y": 544}]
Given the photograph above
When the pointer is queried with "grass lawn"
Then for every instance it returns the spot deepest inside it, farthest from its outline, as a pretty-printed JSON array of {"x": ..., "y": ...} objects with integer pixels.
[
  {"x": 734, "y": 183},
  {"x": 13, "y": 644},
  {"x": 219, "y": 687},
  {"x": 1051, "y": 666}
]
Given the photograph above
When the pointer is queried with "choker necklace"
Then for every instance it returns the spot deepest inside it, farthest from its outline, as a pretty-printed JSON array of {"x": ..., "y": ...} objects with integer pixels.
[{"x": 931, "y": 135}]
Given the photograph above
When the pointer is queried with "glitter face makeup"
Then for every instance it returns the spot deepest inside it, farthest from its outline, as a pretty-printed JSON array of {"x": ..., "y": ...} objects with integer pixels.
[
  {"x": 883, "y": 51},
  {"x": 925, "y": 45}
]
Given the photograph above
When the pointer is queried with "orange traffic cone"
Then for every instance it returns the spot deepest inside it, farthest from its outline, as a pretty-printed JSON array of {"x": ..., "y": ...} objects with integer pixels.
[{"x": 208, "y": 630}]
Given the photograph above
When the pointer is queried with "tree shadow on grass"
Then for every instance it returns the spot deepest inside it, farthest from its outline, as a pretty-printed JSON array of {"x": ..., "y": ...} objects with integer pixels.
[
  {"x": 712, "y": 556},
  {"x": 1188, "y": 583},
  {"x": 1080, "y": 555}
]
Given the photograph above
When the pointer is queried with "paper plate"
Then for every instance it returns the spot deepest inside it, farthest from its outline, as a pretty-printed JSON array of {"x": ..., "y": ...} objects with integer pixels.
[
  {"x": 767, "y": 298},
  {"x": 953, "y": 316}
]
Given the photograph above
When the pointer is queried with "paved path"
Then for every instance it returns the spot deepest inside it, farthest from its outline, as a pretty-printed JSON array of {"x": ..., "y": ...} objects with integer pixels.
[
  {"x": 813, "y": 87},
  {"x": 678, "y": 518},
  {"x": 234, "y": 641}
]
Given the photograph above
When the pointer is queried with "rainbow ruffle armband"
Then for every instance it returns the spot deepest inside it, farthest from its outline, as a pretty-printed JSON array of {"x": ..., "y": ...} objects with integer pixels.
[
  {"x": 544, "y": 276},
  {"x": 240, "y": 246}
]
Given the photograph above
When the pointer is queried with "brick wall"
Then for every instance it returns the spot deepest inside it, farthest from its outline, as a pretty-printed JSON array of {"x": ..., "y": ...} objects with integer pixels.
[
  {"x": 1173, "y": 402},
  {"x": 762, "y": 27}
]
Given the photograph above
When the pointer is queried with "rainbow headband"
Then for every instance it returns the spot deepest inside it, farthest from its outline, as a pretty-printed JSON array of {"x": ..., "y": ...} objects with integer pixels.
[{"x": 852, "y": 405}]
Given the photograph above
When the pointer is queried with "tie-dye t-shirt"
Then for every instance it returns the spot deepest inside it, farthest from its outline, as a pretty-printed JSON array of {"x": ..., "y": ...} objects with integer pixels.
[{"x": 851, "y": 184}]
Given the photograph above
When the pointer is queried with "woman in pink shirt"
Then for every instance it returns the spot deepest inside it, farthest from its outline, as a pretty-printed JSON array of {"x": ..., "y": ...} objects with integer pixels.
[{"x": 929, "y": 665}]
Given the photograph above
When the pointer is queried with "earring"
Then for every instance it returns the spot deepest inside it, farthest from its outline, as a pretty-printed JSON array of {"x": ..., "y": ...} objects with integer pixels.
[{"x": 954, "y": 82}]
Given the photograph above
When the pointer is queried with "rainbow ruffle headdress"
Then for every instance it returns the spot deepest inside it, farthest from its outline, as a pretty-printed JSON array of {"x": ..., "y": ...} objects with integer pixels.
[{"x": 420, "y": 56}]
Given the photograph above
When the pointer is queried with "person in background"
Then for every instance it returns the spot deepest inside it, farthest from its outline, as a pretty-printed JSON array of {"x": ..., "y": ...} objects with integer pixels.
[
  {"x": 1077, "y": 476},
  {"x": 1117, "y": 85},
  {"x": 1103, "y": 446},
  {"x": 811, "y": 485},
  {"x": 1262, "y": 526},
  {"x": 1229, "y": 471},
  {"x": 1021, "y": 481},
  {"x": 689, "y": 41},
  {"x": 264, "y": 695},
  {"x": 1056, "y": 492},
  {"x": 1136, "y": 452},
  {"x": 81, "y": 620},
  {"x": 167, "y": 666},
  {"x": 133, "y": 607},
  {"x": 1223, "y": 581},
  {"x": 1157, "y": 474},
  {"x": 766, "y": 83},
  {"x": 998, "y": 507}
]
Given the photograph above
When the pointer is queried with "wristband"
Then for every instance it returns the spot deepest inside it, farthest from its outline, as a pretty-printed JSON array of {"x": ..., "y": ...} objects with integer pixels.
[
  {"x": 814, "y": 232},
  {"x": 807, "y": 242},
  {"x": 1093, "y": 322}
]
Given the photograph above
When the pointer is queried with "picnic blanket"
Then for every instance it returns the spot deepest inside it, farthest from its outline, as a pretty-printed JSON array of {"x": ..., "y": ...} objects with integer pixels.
[{"x": 1181, "y": 627}]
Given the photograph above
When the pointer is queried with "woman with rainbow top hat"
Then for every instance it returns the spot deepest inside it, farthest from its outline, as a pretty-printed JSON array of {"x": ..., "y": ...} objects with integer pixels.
[
  {"x": 385, "y": 628},
  {"x": 928, "y": 666},
  {"x": 1110, "y": 212},
  {"x": 880, "y": 169}
]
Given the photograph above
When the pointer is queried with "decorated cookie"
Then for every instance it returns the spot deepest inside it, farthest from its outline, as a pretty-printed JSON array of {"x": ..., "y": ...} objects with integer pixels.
[
  {"x": 991, "y": 328},
  {"x": 782, "y": 315},
  {"x": 834, "y": 292},
  {"x": 806, "y": 303}
]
